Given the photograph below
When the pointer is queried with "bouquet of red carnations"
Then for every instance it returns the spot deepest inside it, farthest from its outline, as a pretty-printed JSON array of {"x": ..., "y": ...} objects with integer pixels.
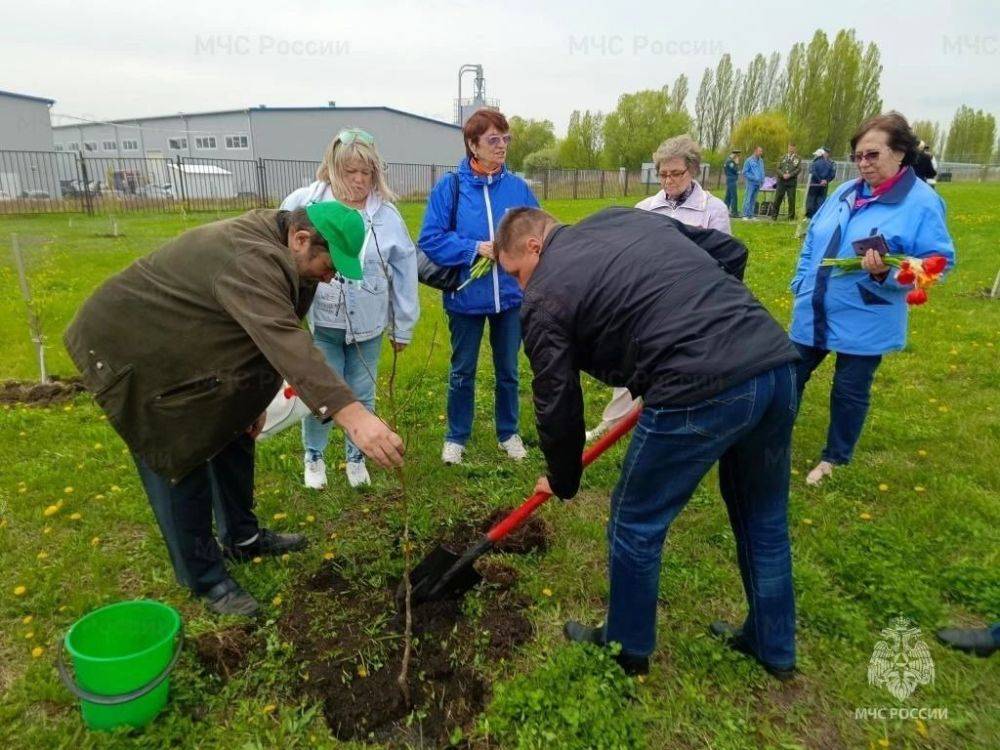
[{"x": 921, "y": 273}]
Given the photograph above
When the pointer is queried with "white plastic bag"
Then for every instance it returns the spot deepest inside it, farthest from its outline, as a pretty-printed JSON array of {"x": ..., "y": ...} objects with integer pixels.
[{"x": 286, "y": 410}]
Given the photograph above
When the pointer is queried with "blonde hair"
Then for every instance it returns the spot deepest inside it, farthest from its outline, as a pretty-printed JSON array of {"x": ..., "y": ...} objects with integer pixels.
[
  {"x": 679, "y": 147},
  {"x": 338, "y": 155}
]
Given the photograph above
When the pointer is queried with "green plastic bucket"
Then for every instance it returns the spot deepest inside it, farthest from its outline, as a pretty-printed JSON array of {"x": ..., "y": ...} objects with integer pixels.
[{"x": 123, "y": 655}]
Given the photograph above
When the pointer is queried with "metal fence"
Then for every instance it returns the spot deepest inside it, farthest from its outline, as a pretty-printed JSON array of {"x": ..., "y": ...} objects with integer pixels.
[{"x": 52, "y": 181}]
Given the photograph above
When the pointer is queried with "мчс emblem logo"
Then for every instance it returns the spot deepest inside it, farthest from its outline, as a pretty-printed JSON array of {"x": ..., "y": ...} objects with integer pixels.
[{"x": 901, "y": 662}]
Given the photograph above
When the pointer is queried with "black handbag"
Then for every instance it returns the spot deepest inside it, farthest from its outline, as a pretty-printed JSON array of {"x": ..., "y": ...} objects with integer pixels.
[{"x": 445, "y": 278}]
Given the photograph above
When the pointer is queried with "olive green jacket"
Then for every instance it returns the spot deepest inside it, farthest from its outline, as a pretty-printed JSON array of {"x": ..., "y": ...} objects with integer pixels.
[{"x": 186, "y": 347}]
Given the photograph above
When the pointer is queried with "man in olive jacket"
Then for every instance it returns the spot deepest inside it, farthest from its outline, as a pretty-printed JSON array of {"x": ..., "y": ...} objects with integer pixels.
[
  {"x": 642, "y": 301},
  {"x": 184, "y": 350}
]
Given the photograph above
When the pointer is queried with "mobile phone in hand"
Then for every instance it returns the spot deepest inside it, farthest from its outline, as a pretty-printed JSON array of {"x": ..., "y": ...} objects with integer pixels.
[{"x": 874, "y": 242}]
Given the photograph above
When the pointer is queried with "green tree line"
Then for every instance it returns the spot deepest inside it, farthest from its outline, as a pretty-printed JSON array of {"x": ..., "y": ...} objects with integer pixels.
[{"x": 815, "y": 96}]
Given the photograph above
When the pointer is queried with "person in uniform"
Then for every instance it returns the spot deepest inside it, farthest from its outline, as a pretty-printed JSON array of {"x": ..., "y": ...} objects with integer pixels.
[
  {"x": 788, "y": 177},
  {"x": 732, "y": 169}
]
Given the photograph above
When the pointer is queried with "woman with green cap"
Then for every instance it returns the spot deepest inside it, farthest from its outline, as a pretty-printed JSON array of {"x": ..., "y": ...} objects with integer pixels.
[{"x": 349, "y": 315}]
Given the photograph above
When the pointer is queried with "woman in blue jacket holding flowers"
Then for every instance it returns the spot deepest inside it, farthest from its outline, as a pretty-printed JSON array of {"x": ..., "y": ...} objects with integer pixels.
[
  {"x": 862, "y": 315},
  {"x": 459, "y": 235}
]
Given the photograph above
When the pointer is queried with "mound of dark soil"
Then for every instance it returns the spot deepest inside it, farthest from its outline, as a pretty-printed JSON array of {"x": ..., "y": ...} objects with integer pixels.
[
  {"x": 226, "y": 652},
  {"x": 40, "y": 394},
  {"x": 349, "y": 640}
]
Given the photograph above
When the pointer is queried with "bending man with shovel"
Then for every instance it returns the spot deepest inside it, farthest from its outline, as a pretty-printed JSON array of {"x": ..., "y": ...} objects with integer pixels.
[
  {"x": 184, "y": 350},
  {"x": 639, "y": 300}
]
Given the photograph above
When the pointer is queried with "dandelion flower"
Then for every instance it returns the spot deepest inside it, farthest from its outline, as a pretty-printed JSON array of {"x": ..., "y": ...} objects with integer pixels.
[
  {"x": 20, "y": 590},
  {"x": 276, "y": 601},
  {"x": 268, "y": 709},
  {"x": 37, "y": 651},
  {"x": 883, "y": 487},
  {"x": 27, "y": 619},
  {"x": 546, "y": 592},
  {"x": 865, "y": 516},
  {"x": 75, "y": 517},
  {"x": 327, "y": 555},
  {"x": 51, "y": 510},
  {"x": 68, "y": 490},
  {"x": 258, "y": 560},
  {"x": 280, "y": 516}
]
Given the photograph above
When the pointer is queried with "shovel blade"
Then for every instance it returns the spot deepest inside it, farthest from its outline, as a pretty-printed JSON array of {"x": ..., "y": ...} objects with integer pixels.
[{"x": 428, "y": 574}]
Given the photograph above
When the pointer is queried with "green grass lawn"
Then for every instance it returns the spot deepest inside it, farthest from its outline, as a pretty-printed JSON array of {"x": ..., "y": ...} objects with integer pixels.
[{"x": 911, "y": 528}]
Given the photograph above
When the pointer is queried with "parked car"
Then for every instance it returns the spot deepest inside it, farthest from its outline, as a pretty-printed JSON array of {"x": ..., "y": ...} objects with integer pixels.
[
  {"x": 36, "y": 194},
  {"x": 163, "y": 192}
]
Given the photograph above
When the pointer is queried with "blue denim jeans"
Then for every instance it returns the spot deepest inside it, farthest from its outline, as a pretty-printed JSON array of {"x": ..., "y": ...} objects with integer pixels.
[
  {"x": 357, "y": 364},
  {"x": 748, "y": 430},
  {"x": 750, "y": 199},
  {"x": 505, "y": 341},
  {"x": 849, "y": 397}
]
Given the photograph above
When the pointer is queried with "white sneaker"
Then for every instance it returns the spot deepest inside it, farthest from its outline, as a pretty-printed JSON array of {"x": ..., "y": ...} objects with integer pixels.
[
  {"x": 452, "y": 453},
  {"x": 514, "y": 447},
  {"x": 357, "y": 474},
  {"x": 820, "y": 472},
  {"x": 316, "y": 474}
]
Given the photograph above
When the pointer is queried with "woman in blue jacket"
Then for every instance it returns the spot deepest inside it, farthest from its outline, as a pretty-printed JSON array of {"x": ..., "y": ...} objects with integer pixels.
[
  {"x": 862, "y": 315},
  {"x": 457, "y": 236}
]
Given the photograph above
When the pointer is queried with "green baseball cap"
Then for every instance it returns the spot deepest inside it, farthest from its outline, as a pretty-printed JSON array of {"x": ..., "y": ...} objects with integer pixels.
[{"x": 344, "y": 232}]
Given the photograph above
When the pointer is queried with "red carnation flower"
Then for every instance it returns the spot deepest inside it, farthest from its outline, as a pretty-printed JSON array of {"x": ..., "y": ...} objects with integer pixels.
[
  {"x": 906, "y": 276},
  {"x": 916, "y": 297},
  {"x": 289, "y": 392}
]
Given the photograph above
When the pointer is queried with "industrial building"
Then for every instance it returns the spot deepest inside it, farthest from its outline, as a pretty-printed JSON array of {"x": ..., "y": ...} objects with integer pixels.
[{"x": 265, "y": 132}]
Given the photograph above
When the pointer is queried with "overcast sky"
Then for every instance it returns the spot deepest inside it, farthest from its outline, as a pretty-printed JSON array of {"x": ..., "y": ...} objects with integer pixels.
[{"x": 105, "y": 60}]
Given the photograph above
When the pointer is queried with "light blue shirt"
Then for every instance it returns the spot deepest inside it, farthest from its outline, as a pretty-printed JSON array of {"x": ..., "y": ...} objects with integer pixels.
[{"x": 361, "y": 308}]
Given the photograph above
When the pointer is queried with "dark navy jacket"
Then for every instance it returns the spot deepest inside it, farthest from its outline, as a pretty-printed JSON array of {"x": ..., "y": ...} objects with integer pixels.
[{"x": 638, "y": 300}]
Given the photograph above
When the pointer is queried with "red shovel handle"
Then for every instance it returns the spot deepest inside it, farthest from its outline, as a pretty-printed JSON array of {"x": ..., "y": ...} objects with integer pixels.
[{"x": 520, "y": 514}]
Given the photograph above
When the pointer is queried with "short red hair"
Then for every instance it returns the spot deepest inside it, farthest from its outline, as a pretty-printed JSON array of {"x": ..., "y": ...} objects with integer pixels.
[{"x": 479, "y": 122}]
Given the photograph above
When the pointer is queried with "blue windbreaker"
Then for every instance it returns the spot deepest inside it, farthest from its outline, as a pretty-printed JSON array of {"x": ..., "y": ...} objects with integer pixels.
[
  {"x": 753, "y": 169},
  {"x": 852, "y": 312},
  {"x": 482, "y": 202}
]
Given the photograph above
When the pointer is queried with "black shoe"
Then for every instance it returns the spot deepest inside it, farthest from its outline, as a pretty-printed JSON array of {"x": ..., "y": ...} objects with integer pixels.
[
  {"x": 580, "y": 633},
  {"x": 734, "y": 639},
  {"x": 229, "y": 598},
  {"x": 977, "y": 641},
  {"x": 267, "y": 543}
]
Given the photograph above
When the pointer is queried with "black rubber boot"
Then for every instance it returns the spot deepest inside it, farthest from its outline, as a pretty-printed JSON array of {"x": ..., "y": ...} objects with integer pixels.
[
  {"x": 580, "y": 633},
  {"x": 229, "y": 598},
  {"x": 977, "y": 641},
  {"x": 733, "y": 637},
  {"x": 267, "y": 543}
]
